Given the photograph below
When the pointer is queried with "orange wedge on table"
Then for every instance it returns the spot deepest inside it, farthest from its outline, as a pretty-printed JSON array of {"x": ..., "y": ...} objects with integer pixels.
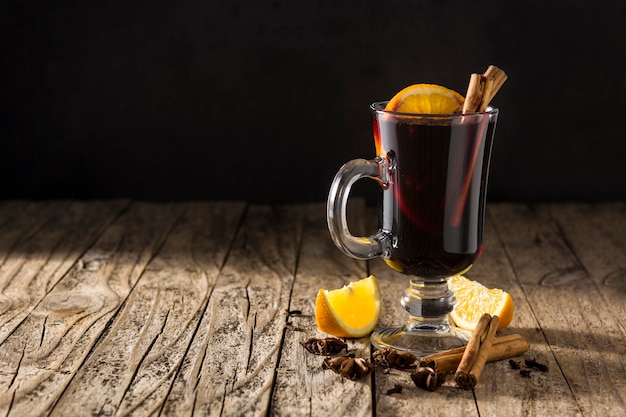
[
  {"x": 473, "y": 299},
  {"x": 350, "y": 311},
  {"x": 426, "y": 99}
]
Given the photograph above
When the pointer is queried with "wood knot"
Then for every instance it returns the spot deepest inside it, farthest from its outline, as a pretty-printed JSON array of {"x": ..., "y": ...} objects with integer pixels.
[
  {"x": 564, "y": 277},
  {"x": 616, "y": 279},
  {"x": 68, "y": 303},
  {"x": 90, "y": 265},
  {"x": 5, "y": 303}
]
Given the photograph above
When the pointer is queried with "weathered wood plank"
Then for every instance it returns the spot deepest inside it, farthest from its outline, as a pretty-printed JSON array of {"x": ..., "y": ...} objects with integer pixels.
[
  {"x": 112, "y": 308},
  {"x": 302, "y": 387},
  {"x": 39, "y": 245},
  {"x": 8, "y": 209},
  {"x": 448, "y": 400},
  {"x": 131, "y": 369},
  {"x": 19, "y": 220},
  {"x": 50, "y": 345},
  {"x": 585, "y": 337},
  {"x": 500, "y": 392},
  {"x": 503, "y": 391},
  {"x": 597, "y": 234},
  {"x": 230, "y": 365}
]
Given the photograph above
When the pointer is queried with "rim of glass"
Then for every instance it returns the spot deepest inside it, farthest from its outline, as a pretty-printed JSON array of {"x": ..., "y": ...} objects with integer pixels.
[{"x": 379, "y": 107}]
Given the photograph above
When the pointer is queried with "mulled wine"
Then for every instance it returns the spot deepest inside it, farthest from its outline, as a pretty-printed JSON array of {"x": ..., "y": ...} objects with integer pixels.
[
  {"x": 433, "y": 148},
  {"x": 433, "y": 205}
]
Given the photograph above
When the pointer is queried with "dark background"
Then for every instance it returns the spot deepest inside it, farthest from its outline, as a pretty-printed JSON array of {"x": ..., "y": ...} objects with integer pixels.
[{"x": 264, "y": 100}]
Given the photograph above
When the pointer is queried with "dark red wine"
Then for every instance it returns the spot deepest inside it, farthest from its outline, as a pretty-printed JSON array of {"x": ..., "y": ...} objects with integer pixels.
[{"x": 434, "y": 206}]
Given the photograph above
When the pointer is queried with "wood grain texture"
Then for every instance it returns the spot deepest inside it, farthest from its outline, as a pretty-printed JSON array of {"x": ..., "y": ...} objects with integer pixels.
[
  {"x": 597, "y": 234},
  {"x": 303, "y": 388},
  {"x": 584, "y": 335},
  {"x": 55, "y": 235},
  {"x": 447, "y": 400},
  {"x": 132, "y": 368},
  {"x": 236, "y": 350},
  {"x": 116, "y": 308},
  {"x": 502, "y": 390},
  {"x": 52, "y": 343}
]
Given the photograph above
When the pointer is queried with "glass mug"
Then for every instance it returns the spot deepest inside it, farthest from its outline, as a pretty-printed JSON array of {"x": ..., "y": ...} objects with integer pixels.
[{"x": 433, "y": 171}]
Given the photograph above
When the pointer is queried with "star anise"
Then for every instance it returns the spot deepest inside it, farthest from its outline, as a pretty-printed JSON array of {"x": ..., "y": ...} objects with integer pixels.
[
  {"x": 392, "y": 358},
  {"x": 348, "y": 366},
  {"x": 324, "y": 347},
  {"x": 427, "y": 378}
]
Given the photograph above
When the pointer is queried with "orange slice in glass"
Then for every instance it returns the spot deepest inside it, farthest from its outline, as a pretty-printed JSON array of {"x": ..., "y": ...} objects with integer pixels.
[{"x": 426, "y": 99}]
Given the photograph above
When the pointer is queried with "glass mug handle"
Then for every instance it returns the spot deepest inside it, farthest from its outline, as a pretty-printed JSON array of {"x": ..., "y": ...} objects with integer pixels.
[{"x": 352, "y": 171}]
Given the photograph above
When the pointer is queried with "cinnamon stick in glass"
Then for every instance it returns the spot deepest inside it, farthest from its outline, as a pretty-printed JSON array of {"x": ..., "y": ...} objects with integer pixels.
[
  {"x": 495, "y": 78},
  {"x": 480, "y": 90},
  {"x": 475, "y": 93}
]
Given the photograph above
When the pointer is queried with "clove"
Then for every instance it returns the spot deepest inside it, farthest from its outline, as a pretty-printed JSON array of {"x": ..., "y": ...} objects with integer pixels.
[
  {"x": 532, "y": 363},
  {"x": 514, "y": 364},
  {"x": 397, "y": 389}
]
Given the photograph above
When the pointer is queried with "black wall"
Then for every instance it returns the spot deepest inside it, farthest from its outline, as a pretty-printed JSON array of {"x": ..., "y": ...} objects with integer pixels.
[{"x": 264, "y": 100}]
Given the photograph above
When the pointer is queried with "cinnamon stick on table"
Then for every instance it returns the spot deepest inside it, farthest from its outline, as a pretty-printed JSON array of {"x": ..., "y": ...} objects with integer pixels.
[
  {"x": 503, "y": 347},
  {"x": 477, "y": 352}
]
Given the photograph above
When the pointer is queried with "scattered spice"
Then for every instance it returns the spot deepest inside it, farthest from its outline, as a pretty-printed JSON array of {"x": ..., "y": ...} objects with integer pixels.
[
  {"x": 393, "y": 358},
  {"x": 397, "y": 389},
  {"x": 427, "y": 378},
  {"x": 348, "y": 366},
  {"x": 532, "y": 363},
  {"x": 525, "y": 373},
  {"x": 514, "y": 364},
  {"x": 324, "y": 347}
]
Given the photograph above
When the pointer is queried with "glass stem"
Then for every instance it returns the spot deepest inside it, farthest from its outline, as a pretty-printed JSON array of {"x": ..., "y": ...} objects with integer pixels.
[{"x": 428, "y": 303}]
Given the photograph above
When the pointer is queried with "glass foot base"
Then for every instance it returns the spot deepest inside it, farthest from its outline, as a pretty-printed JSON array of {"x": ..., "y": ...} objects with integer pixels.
[{"x": 420, "y": 341}]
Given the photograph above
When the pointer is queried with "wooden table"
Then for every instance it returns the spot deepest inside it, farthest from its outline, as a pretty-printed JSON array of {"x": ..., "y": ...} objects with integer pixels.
[{"x": 133, "y": 308}]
